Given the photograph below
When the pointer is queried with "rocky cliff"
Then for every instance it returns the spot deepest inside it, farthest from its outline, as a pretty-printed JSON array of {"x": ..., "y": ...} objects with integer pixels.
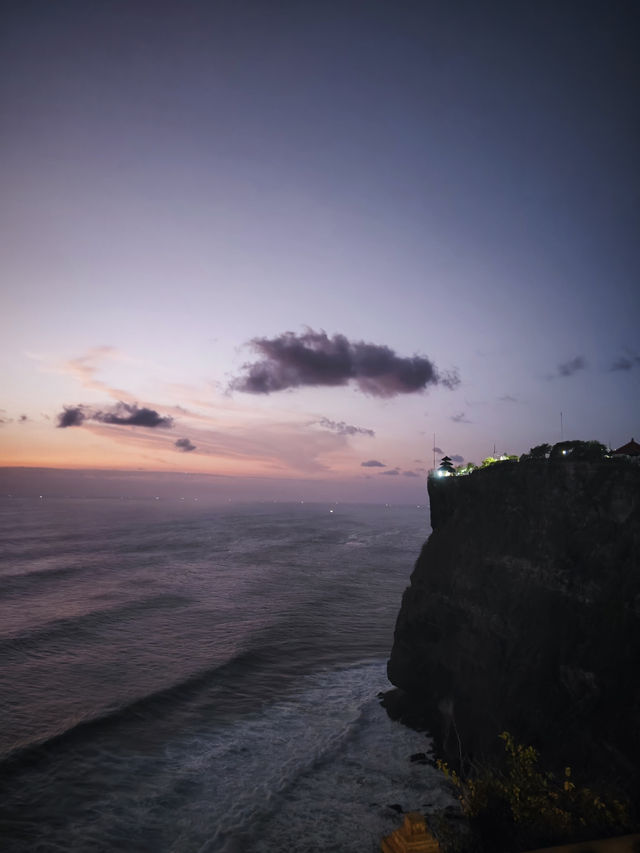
[{"x": 523, "y": 614}]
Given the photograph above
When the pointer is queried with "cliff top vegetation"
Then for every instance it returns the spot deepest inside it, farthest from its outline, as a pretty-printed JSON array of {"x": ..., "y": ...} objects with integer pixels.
[{"x": 574, "y": 450}]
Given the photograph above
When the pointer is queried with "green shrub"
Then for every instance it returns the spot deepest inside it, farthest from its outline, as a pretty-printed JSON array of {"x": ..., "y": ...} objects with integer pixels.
[
  {"x": 488, "y": 461},
  {"x": 523, "y": 806}
]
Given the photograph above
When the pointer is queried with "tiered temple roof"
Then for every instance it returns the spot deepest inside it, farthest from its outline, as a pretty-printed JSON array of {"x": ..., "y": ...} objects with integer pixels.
[{"x": 632, "y": 448}]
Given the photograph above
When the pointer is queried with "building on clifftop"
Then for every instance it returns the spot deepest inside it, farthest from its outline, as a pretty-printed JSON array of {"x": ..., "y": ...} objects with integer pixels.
[{"x": 632, "y": 448}]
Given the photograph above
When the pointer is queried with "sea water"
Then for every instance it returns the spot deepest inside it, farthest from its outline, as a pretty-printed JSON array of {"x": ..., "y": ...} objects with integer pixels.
[{"x": 183, "y": 677}]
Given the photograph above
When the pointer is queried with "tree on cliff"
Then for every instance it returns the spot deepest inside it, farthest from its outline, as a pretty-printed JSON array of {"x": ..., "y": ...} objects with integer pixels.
[
  {"x": 540, "y": 451},
  {"x": 582, "y": 451},
  {"x": 466, "y": 469},
  {"x": 589, "y": 451}
]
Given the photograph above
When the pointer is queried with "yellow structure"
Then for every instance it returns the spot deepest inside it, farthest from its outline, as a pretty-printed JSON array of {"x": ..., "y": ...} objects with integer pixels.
[{"x": 413, "y": 836}]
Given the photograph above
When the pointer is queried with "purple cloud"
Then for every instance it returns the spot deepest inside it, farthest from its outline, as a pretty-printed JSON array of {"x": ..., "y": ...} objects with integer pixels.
[
  {"x": 410, "y": 474},
  {"x": 185, "y": 445},
  {"x": 128, "y": 414},
  {"x": 392, "y": 472},
  {"x": 373, "y": 463},
  {"x": 313, "y": 359},
  {"x": 460, "y": 418}
]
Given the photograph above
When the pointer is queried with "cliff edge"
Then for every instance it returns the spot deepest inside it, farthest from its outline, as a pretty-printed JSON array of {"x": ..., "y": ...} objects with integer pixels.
[{"x": 523, "y": 614}]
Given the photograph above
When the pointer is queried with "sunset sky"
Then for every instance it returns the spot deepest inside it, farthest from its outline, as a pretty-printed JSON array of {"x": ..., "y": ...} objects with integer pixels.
[{"x": 287, "y": 242}]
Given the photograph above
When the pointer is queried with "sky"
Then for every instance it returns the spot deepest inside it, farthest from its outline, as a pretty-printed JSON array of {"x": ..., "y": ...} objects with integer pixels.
[{"x": 285, "y": 244}]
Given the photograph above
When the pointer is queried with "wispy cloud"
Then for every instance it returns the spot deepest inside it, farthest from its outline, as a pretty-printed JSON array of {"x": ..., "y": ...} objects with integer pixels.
[
  {"x": 263, "y": 448},
  {"x": 508, "y": 398},
  {"x": 460, "y": 418},
  {"x": 410, "y": 474},
  {"x": 84, "y": 369},
  {"x": 625, "y": 362},
  {"x": 184, "y": 445},
  {"x": 392, "y": 472},
  {"x": 373, "y": 463},
  {"x": 314, "y": 359},
  {"x": 457, "y": 458},
  {"x": 568, "y": 368},
  {"x": 343, "y": 428}
]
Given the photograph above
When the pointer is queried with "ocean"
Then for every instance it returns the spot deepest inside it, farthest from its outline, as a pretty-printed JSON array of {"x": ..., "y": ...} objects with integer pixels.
[{"x": 176, "y": 676}]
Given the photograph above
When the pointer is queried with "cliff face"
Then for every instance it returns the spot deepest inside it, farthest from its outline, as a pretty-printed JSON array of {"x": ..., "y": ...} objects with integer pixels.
[{"x": 523, "y": 614}]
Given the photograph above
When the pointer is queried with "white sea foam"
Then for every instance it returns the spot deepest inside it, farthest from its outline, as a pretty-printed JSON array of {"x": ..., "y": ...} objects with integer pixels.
[
  {"x": 343, "y": 801},
  {"x": 317, "y": 771}
]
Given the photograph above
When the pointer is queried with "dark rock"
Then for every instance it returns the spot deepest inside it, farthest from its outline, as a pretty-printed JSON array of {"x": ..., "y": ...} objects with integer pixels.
[
  {"x": 394, "y": 702},
  {"x": 404, "y": 708},
  {"x": 523, "y": 615}
]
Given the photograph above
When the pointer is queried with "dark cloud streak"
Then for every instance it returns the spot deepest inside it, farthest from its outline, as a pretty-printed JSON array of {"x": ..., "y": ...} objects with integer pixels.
[
  {"x": 373, "y": 463},
  {"x": 342, "y": 428},
  {"x": 568, "y": 368},
  {"x": 185, "y": 445},
  {"x": 625, "y": 362},
  {"x": 125, "y": 414},
  {"x": 128, "y": 414}
]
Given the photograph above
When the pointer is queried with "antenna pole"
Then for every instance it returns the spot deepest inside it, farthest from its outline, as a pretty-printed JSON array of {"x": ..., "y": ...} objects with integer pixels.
[
  {"x": 434, "y": 451},
  {"x": 561, "y": 428}
]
